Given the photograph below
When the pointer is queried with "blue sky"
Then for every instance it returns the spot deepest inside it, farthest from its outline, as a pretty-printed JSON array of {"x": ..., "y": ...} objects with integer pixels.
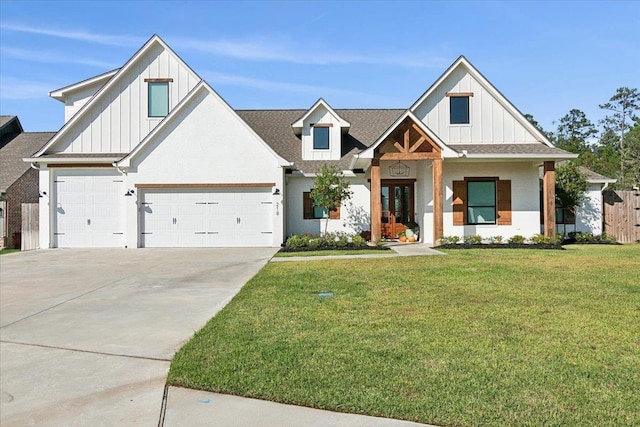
[{"x": 546, "y": 57}]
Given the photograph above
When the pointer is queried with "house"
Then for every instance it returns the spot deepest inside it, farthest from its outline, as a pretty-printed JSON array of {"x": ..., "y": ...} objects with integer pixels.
[
  {"x": 18, "y": 181},
  {"x": 589, "y": 216},
  {"x": 151, "y": 156}
]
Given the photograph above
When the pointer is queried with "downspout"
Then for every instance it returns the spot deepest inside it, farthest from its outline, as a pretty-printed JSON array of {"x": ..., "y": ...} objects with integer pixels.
[
  {"x": 33, "y": 166},
  {"x": 115, "y": 165}
]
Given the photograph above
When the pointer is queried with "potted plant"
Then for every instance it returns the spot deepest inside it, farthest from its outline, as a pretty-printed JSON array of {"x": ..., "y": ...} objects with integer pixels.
[{"x": 412, "y": 230}]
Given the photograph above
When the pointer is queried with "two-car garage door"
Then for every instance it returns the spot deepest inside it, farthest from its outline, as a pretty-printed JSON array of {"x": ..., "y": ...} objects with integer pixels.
[
  {"x": 206, "y": 217},
  {"x": 89, "y": 211}
]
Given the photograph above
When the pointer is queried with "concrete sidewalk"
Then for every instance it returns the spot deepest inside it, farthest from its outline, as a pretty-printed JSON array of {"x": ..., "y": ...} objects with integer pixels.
[
  {"x": 193, "y": 408},
  {"x": 397, "y": 249}
]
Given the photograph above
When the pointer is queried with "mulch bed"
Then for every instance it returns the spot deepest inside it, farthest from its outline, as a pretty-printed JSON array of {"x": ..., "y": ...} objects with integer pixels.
[
  {"x": 350, "y": 246},
  {"x": 500, "y": 246}
]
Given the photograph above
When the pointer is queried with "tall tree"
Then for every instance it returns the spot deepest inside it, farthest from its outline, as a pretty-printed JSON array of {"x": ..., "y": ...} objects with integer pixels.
[
  {"x": 575, "y": 132},
  {"x": 623, "y": 105},
  {"x": 330, "y": 189},
  {"x": 631, "y": 157},
  {"x": 550, "y": 136}
]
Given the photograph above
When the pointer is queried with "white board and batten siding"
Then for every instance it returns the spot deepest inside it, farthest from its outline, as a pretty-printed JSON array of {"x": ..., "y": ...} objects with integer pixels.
[
  {"x": 87, "y": 209},
  {"x": 216, "y": 217},
  {"x": 119, "y": 120},
  {"x": 489, "y": 120}
]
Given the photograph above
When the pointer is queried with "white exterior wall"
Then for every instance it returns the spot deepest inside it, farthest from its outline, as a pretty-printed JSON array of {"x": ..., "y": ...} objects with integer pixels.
[
  {"x": 44, "y": 212},
  {"x": 321, "y": 115},
  {"x": 354, "y": 214},
  {"x": 525, "y": 198},
  {"x": 588, "y": 214},
  {"x": 489, "y": 121},
  {"x": 76, "y": 100},
  {"x": 119, "y": 121},
  {"x": 206, "y": 143}
]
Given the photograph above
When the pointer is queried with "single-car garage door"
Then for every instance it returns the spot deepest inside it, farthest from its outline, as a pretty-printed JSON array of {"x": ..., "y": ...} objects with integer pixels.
[
  {"x": 88, "y": 209},
  {"x": 211, "y": 217}
]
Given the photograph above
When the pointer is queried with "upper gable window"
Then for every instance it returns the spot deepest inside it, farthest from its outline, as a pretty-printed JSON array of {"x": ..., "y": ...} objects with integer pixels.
[
  {"x": 459, "y": 107},
  {"x": 320, "y": 137},
  {"x": 459, "y": 110},
  {"x": 158, "y": 97}
]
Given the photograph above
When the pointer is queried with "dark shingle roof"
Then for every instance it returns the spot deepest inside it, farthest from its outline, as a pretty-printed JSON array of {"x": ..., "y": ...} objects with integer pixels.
[
  {"x": 594, "y": 176},
  {"x": 24, "y": 145},
  {"x": 274, "y": 127},
  {"x": 502, "y": 149},
  {"x": 5, "y": 119}
]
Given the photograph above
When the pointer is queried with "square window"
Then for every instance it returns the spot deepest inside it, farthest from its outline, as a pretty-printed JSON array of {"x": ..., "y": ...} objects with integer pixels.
[
  {"x": 158, "y": 99},
  {"x": 320, "y": 138},
  {"x": 459, "y": 110},
  {"x": 481, "y": 202}
]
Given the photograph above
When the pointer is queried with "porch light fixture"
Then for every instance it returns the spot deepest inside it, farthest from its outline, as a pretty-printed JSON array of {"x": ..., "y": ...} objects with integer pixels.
[
  {"x": 42, "y": 194},
  {"x": 276, "y": 191},
  {"x": 399, "y": 169},
  {"x": 129, "y": 193}
]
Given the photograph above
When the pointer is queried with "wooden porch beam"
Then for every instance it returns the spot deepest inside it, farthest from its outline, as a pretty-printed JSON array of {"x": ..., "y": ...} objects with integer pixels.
[
  {"x": 549, "y": 198},
  {"x": 417, "y": 145},
  {"x": 438, "y": 196},
  {"x": 399, "y": 147},
  {"x": 376, "y": 201},
  {"x": 431, "y": 155},
  {"x": 407, "y": 141}
]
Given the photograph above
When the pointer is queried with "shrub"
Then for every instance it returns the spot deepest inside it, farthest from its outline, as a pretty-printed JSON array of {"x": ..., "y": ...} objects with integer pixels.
[
  {"x": 538, "y": 239},
  {"x": 516, "y": 240},
  {"x": 449, "y": 240},
  {"x": 358, "y": 241},
  {"x": 315, "y": 242},
  {"x": 475, "y": 239},
  {"x": 584, "y": 237},
  {"x": 297, "y": 241},
  {"x": 496, "y": 239}
]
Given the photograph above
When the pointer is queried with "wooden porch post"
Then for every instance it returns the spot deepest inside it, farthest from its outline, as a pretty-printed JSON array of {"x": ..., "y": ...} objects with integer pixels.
[
  {"x": 549, "y": 198},
  {"x": 438, "y": 223},
  {"x": 376, "y": 202}
]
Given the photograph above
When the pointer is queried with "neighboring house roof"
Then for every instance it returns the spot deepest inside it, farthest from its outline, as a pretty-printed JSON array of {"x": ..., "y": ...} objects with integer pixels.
[
  {"x": 5, "y": 119},
  {"x": 274, "y": 127},
  {"x": 596, "y": 178},
  {"x": 23, "y": 145}
]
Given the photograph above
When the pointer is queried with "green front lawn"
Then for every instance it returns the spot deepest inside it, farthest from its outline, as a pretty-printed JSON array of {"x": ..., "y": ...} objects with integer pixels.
[
  {"x": 334, "y": 252},
  {"x": 478, "y": 337},
  {"x": 8, "y": 251}
]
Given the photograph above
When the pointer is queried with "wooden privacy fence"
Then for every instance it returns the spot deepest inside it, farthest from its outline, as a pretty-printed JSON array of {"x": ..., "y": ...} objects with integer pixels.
[
  {"x": 30, "y": 226},
  {"x": 622, "y": 215}
]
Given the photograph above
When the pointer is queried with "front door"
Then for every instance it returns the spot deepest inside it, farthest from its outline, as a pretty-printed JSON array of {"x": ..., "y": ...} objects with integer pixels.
[{"x": 397, "y": 206}]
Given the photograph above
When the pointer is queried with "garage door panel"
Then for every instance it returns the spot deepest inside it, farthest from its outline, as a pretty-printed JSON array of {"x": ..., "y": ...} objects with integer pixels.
[
  {"x": 88, "y": 209},
  {"x": 208, "y": 218}
]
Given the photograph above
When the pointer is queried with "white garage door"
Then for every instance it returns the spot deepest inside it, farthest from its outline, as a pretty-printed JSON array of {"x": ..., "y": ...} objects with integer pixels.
[
  {"x": 88, "y": 210},
  {"x": 217, "y": 217}
]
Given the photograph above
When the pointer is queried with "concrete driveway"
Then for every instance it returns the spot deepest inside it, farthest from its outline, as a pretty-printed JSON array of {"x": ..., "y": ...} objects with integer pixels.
[{"x": 87, "y": 335}]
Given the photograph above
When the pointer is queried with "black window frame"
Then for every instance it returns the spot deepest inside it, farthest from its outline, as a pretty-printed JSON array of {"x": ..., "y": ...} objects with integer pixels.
[
  {"x": 326, "y": 129},
  {"x": 494, "y": 206},
  {"x": 455, "y": 100}
]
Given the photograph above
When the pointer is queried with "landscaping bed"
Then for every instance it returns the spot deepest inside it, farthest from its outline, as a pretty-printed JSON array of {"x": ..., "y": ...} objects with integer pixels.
[{"x": 501, "y": 246}]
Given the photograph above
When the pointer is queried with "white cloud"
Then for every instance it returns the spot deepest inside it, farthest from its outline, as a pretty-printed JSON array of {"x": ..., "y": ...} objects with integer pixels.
[
  {"x": 78, "y": 35},
  {"x": 53, "y": 58},
  {"x": 16, "y": 88},
  {"x": 284, "y": 51}
]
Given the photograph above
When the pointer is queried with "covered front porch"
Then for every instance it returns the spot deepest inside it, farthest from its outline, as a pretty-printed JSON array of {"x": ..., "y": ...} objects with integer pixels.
[{"x": 413, "y": 175}]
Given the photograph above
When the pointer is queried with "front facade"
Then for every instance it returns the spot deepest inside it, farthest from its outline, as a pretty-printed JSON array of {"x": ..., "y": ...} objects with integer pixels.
[{"x": 151, "y": 156}]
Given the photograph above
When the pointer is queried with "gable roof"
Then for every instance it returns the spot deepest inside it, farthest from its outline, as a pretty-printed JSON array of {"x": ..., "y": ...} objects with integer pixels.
[
  {"x": 23, "y": 145},
  {"x": 274, "y": 127},
  {"x": 596, "y": 178},
  {"x": 202, "y": 85},
  {"x": 119, "y": 75},
  {"x": 299, "y": 124},
  {"x": 495, "y": 93},
  {"x": 103, "y": 78},
  {"x": 6, "y": 119}
]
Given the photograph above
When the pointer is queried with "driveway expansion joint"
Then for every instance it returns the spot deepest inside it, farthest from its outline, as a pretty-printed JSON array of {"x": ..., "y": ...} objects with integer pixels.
[{"x": 77, "y": 350}]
